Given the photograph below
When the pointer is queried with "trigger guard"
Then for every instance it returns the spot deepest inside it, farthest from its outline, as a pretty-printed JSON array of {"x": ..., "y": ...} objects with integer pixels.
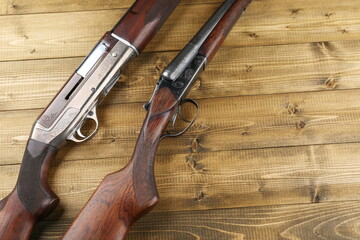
[
  {"x": 193, "y": 102},
  {"x": 93, "y": 117},
  {"x": 178, "y": 112}
]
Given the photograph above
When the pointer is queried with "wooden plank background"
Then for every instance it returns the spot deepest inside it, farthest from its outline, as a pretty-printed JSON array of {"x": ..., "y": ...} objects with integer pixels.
[{"x": 274, "y": 153}]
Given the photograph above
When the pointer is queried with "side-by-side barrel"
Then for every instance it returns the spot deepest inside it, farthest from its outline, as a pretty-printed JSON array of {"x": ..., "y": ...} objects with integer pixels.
[
  {"x": 223, "y": 28},
  {"x": 186, "y": 56}
]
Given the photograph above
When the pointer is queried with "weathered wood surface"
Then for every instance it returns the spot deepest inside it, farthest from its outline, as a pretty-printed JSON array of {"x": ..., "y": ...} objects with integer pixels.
[
  {"x": 338, "y": 220},
  {"x": 274, "y": 153},
  {"x": 55, "y": 35},
  {"x": 259, "y": 70},
  {"x": 241, "y": 178},
  {"x": 248, "y": 122}
]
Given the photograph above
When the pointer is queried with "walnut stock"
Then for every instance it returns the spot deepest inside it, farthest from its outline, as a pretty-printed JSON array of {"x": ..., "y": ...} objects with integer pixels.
[
  {"x": 32, "y": 198},
  {"x": 126, "y": 195}
]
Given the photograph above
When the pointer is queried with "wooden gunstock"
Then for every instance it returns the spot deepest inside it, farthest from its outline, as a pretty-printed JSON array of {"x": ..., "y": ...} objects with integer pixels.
[
  {"x": 126, "y": 195},
  {"x": 32, "y": 198},
  {"x": 220, "y": 32},
  {"x": 143, "y": 20}
]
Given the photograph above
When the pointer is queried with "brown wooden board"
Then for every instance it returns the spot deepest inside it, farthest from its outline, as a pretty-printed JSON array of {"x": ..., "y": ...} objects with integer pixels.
[
  {"x": 213, "y": 180},
  {"x": 233, "y": 72},
  {"x": 247, "y": 122},
  {"x": 338, "y": 220},
  {"x": 69, "y": 34}
]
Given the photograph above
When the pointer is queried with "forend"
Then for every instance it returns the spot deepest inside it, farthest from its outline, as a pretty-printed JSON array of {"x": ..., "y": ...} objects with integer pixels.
[{"x": 77, "y": 101}]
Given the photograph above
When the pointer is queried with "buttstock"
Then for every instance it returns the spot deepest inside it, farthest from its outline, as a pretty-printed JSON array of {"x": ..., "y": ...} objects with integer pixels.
[
  {"x": 126, "y": 195},
  {"x": 111, "y": 210},
  {"x": 32, "y": 198}
]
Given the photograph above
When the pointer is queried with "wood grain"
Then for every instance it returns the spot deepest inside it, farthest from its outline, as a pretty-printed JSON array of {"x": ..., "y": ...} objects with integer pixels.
[
  {"x": 37, "y": 36},
  {"x": 247, "y": 122},
  {"x": 336, "y": 221},
  {"x": 214, "y": 180},
  {"x": 233, "y": 72}
]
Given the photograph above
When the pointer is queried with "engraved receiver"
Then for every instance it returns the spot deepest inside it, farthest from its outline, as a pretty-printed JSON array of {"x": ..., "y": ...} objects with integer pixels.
[{"x": 77, "y": 101}]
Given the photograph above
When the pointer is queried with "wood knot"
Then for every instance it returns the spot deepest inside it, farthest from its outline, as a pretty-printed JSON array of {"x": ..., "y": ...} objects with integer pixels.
[
  {"x": 199, "y": 197},
  {"x": 194, "y": 165},
  {"x": 295, "y": 11},
  {"x": 292, "y": 109},
  {"x": 344, "y": 31},
  {"x": 253, "y": 35},
  {"x": 191, "y": 162},
  {"x": 113, "y": 138},
  {"x": 300, "y": 125},
  {"x": 194, "y": 145},
  {"x": 330, "y": 83},
  {"x": 159, "y": 67},
  {"x": 160, "y": 64},
  {"x": 248, "y": 68},
  {"x": 315, "y": 199},
  {"x": 71, "y": 189},
  {"x": 328, "y": 14}
]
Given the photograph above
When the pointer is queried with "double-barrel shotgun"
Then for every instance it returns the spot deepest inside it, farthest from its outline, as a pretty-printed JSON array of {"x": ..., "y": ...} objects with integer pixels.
[
  {"x": 74, "y": 105},
  {"x": 126, "y": 195}
]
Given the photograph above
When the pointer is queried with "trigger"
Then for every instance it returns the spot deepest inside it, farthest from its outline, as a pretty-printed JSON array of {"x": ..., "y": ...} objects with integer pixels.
[
  {"x": 79, "y": 133},
  {"x": 78, "y": 136},
  {"x": 174, "y": 133}
]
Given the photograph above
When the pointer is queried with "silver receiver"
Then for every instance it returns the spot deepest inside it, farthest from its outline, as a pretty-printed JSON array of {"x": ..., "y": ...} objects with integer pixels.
[
  {"x": 93, "y": 58},
  {"x": 99, "y": 74}
]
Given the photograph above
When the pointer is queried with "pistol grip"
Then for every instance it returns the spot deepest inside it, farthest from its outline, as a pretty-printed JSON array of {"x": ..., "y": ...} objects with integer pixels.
[{"x": 32, "y": 198}]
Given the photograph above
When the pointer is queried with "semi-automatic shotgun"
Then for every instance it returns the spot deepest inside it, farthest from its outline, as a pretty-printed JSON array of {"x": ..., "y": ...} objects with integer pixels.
[
  {"x": 126, "y": 195},
  {"x": 76, "y": 103}
]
